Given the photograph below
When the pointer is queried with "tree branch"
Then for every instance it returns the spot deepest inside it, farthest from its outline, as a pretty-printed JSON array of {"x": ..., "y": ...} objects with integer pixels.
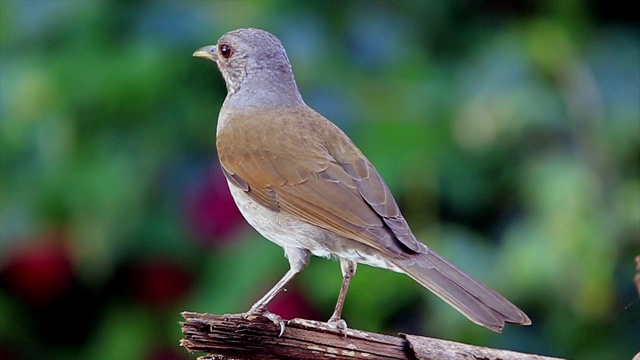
[{"x": 255, "y": 337}]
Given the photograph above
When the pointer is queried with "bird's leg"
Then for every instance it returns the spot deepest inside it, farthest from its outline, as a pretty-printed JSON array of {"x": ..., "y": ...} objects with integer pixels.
[
  {"x": 348, "y": 270},
  {"x": 298, "y": 260}
]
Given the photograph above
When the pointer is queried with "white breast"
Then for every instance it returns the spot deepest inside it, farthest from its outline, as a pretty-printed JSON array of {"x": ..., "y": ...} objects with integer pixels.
[
  {"x": 287, "y": 231},
  {"x": 278, "y": 227}
]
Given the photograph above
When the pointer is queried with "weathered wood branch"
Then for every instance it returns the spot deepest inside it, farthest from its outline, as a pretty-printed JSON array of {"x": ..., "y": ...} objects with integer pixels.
[{"x": 236, "y": 337}]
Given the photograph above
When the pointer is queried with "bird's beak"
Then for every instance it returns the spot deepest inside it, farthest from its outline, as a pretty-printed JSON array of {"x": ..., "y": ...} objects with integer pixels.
[{"x": 209, "y": 52}]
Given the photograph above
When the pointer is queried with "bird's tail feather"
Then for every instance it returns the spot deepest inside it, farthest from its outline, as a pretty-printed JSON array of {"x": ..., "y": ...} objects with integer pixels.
[{"x": 473, "y": 299}]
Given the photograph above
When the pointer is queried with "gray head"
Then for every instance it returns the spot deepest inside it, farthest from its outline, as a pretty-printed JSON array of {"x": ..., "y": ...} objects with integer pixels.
[{"x": 255, "y": 65}]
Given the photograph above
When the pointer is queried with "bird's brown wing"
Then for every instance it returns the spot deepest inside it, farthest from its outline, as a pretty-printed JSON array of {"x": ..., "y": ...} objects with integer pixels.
[{"x": 319, "y": 176}]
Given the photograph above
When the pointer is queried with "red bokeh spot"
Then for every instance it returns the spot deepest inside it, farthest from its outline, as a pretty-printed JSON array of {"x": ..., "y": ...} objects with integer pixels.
[
  {"x": 40, "y": 272},
  {"x": 293, "y": 304},
  {"x": 160, "y": 283},
  {"x": 212, "y": 215}
]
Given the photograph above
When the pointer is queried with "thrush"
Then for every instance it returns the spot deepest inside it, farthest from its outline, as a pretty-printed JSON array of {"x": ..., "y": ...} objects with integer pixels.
[{"x": 304, "y": 185}]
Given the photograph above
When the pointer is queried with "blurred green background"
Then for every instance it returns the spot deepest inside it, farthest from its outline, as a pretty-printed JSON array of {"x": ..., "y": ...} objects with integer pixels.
[{"x": 509, "y": 132}]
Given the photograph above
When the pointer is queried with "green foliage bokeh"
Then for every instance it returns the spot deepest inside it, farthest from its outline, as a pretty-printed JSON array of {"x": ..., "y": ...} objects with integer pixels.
[{"x": 509, "y": 133}]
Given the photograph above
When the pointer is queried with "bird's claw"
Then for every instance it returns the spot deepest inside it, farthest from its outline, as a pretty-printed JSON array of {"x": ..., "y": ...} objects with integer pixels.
[
  {"x": 339, "y": 324},
  {"x": 276, "y": 319}
]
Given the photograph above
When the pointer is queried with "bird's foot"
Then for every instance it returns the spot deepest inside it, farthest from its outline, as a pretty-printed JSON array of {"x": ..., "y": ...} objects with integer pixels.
[
  {"x": 338, "y": 324},
  {"x": 261, "y": 311}
]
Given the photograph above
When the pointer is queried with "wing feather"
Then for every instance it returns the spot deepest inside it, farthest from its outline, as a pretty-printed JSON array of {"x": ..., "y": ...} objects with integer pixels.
[{"x": 330, "y": 184}]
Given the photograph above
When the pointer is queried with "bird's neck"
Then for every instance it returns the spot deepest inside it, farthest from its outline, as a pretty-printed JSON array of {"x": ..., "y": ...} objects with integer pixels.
[
  {"x": 257, "y": 93},
  {"x": 276, "y": 87}
]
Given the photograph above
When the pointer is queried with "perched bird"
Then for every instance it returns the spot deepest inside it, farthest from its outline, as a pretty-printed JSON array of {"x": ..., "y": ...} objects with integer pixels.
[{"x": 304, "y": 185}]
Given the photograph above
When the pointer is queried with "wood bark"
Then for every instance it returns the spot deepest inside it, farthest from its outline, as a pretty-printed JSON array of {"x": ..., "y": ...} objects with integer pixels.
[{"x": 255, "y": 337}]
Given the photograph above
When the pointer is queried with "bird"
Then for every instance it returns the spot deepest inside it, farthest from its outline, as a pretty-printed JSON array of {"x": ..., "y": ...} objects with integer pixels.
[{"x": 303, "y": 184}]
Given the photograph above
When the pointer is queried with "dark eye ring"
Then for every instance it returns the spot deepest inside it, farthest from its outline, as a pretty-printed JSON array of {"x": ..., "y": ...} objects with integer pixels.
[{"x": 226, "y": 50}]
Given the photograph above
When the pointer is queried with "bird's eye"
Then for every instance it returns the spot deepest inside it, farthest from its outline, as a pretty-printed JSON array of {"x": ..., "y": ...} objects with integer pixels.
[{"x": 226, "y": 50}]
